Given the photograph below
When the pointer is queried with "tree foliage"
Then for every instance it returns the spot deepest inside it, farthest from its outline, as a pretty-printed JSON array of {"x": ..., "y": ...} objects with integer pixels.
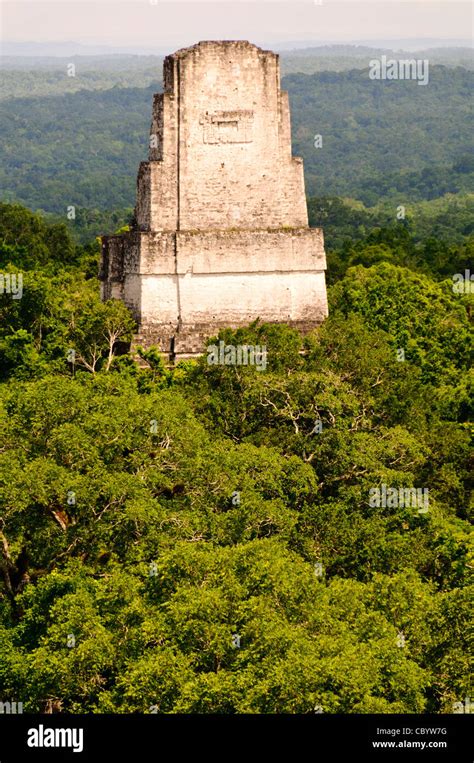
[{"x": 201, "y": 538}]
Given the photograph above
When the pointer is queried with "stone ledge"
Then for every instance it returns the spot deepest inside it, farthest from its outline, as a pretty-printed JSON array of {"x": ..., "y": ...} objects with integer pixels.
[
  {"x": 207, "y": 252},
  {"x": 190, "y": 340}
]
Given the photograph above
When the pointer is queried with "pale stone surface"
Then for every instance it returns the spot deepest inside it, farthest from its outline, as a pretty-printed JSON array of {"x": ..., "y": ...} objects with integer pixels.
[{"x": 221, "y": 234}]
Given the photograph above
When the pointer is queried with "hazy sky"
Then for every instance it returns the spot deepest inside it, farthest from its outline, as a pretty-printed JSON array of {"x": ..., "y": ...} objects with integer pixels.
[{"x": 177, "y": 23}]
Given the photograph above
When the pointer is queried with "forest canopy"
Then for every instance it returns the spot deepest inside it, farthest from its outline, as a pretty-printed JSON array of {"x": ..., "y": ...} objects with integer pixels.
[
  {"x": 197, "y": 538},
  {"x": 379, "y": 141},
  {"x": 202, "y": 538}
]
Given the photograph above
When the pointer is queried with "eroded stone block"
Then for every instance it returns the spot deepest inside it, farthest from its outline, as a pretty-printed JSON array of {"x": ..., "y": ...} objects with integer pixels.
[{"x": 221, "y": 232}]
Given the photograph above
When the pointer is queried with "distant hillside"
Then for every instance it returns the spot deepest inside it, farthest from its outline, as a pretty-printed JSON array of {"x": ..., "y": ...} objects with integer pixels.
[
  {"x": 30, "y": 77},
  {"x": 345, "y": 57},
  {"x": 26, "y": 76},
  {"x": 381, "y": 139}
]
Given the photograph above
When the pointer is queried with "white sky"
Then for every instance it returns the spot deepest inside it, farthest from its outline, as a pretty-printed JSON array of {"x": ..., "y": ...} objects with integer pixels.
[{"x": 183, "y": 22}]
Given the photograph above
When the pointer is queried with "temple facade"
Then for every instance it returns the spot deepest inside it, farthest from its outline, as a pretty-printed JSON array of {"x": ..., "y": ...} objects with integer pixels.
[{"x": 220, "y": 234}]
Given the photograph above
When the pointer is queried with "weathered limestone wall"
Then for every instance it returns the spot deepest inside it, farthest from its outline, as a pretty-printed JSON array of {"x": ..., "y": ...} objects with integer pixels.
[
  {"x": 230, "y": 115},
  {"x": 280, "y": 299},
  {"x": 221, "y": 232},
  {"x": 220, "y": 153}
]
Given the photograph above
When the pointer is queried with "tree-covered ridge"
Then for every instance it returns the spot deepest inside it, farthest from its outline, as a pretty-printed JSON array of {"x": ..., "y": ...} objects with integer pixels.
[
  {"x": 202, "y": 538},
  {"x": 448, "y": 219},
  {"x": 26, "y": 76},
  {"x": 345, "y": 57},
  {"x": 82, "y": 149},
  {"x": 38, "y": 82},
  {"x": 373, "y": 130},
  {"x": 433, "y": 237}
]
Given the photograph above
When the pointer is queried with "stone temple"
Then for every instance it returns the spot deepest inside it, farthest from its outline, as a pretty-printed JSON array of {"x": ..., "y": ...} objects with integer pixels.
[{"x": 220, "y": 235}]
